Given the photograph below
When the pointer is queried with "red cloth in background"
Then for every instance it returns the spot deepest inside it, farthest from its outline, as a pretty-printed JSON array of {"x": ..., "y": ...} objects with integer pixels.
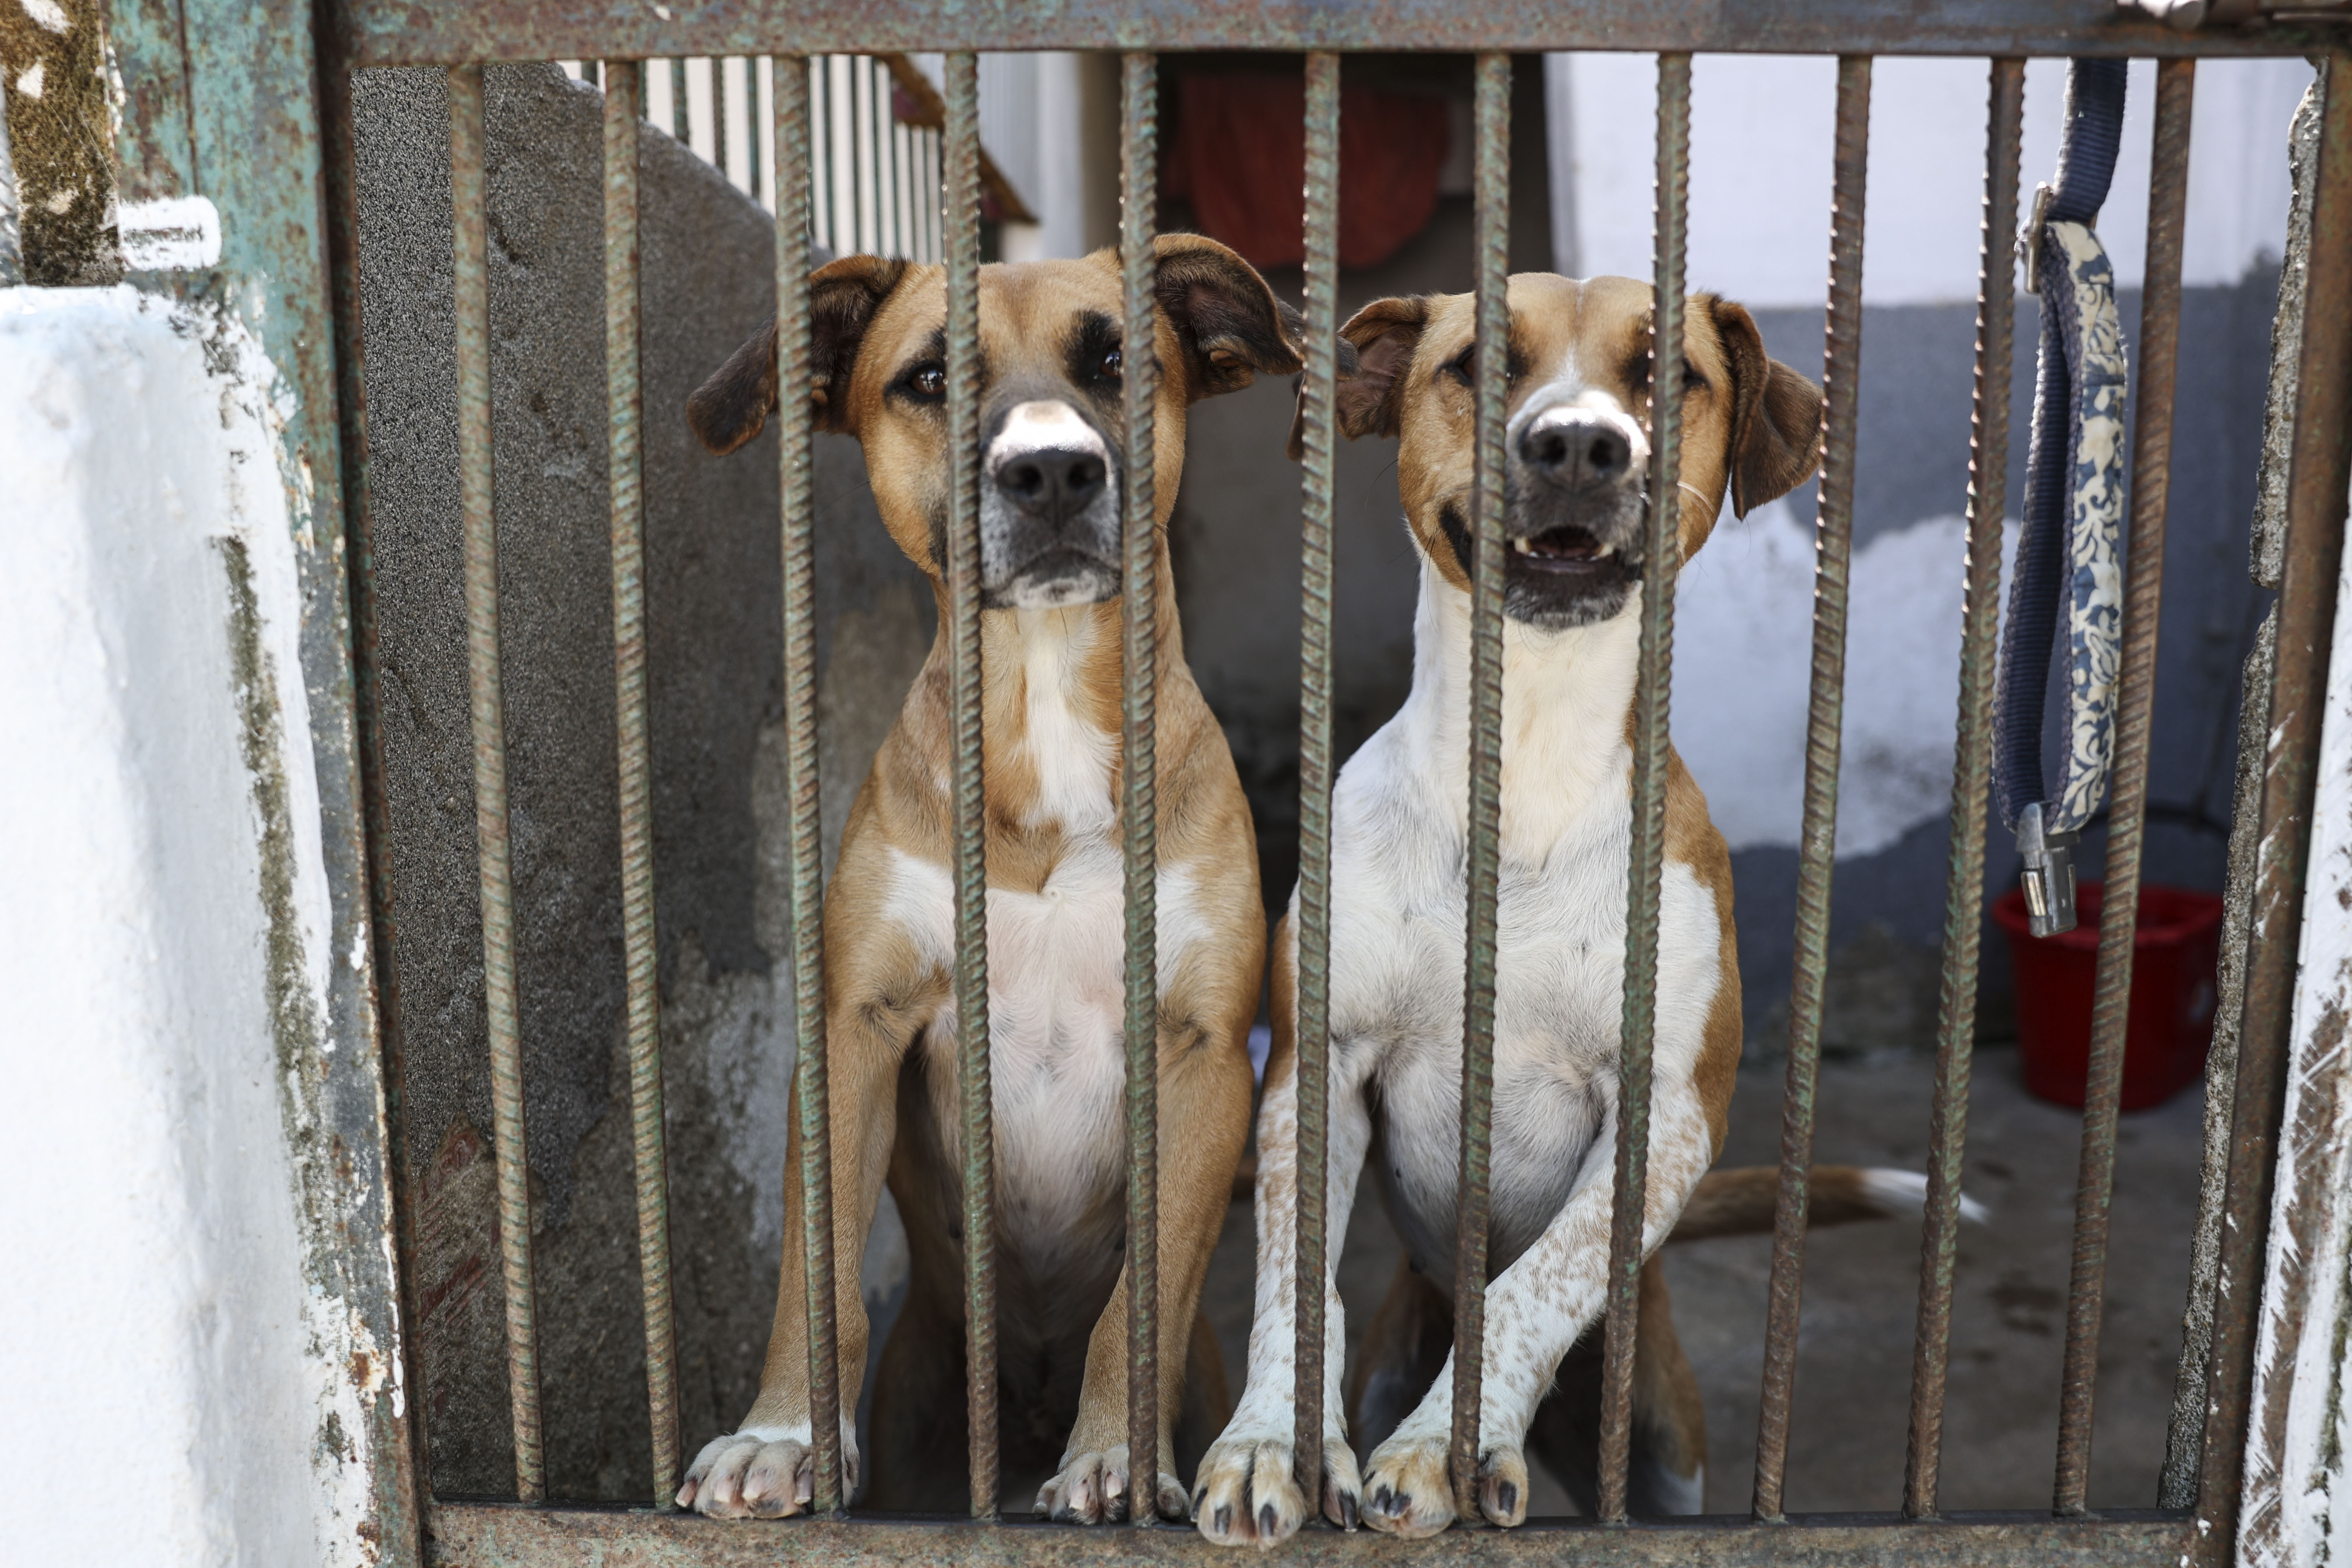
[{"x": 1240, "y": 158}]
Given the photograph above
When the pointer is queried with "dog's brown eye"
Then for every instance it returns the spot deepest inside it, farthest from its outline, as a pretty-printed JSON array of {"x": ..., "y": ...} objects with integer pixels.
[
  {"x": 929, "y": 381},
  {"x": 1112, "y": 365}
]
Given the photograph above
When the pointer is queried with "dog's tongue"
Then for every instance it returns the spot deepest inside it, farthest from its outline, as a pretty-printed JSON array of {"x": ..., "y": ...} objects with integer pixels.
[{"x": 1565, "y": 544}]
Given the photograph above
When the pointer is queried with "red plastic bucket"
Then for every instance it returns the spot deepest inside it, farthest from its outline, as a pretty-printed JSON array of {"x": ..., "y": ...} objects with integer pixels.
[{"x": 2172, "y": 994}]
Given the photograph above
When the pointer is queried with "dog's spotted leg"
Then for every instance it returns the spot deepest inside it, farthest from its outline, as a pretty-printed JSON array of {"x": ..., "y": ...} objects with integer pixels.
[
  {"x": 1534, "y": 1310},
  {"x": 1247, "y": 1490}
]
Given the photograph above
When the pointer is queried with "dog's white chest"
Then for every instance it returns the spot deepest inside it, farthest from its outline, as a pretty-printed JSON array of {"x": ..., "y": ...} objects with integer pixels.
[
  {"x": 1056, "y": 1004},
  {"x": 1397, "y": 955}
]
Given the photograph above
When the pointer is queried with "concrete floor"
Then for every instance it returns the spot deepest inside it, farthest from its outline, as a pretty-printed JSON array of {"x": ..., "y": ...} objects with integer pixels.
[{"x": 1848, "y": 1432}]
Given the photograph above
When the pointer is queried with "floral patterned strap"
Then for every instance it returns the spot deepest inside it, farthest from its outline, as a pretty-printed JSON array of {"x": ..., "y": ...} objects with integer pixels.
[
  {"x": 2067, "y": 566},
  {"x": 2083, "y": 297}
]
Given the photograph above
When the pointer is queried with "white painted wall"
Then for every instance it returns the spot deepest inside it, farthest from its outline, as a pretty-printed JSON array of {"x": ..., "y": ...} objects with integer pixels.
[
  {"x": 1760, "y": 156},
  {"x": 1743, "y": 668},
  {"x": 1761, "y": 165},
  {"x": 1030, "y": 123},
  {"x": 174, "y": 1394}
]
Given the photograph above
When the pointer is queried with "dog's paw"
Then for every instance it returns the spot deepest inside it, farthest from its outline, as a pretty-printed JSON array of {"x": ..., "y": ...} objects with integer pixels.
[
  {"x": 1406, "y": 1492},
  {"x": 1247, "y": 1490},
  {"x": 760, "y": 1472},
  {"x": 1092, "y": 1488},
  {"x": 1503, "y": 1487},
  {"x": 1409, "y": 1489}
]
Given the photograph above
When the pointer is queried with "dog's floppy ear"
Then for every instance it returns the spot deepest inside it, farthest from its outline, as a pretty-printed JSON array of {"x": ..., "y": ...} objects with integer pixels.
[
  {"x": 1225, "y": 317},
  {"x": 730, "y": 407},
  {"x": 1376, "y": 349},
  {"x": 1776, "y": 414}
]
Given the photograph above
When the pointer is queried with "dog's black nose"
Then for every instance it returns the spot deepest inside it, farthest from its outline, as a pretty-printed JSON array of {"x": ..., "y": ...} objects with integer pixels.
[
  {"x": 1052, "y": 482},
  {"x": 1576, "y": 453}
]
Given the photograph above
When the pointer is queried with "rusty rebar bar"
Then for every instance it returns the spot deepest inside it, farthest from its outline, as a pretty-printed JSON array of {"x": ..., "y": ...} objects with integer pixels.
[
  {"x": 407, "y": 1463},
  {"x": 2160, "y": 345},
  {"x": 624, "y": 107},
  {"x": 1491, "y": 181},
  {"x": 1817, "y": 837},
  {"x": 812, "y": 1102},
  {"x": 2316, "y": 480},
  {"x": 474, "y": 477},
  {"x": 961, "y": 217},
  {"x": 1645, "y": 870},
  {"x": 1971, "y": 785},
  {"x": 1317, "y": 395},
  {"x": 1138, "y": 838}
]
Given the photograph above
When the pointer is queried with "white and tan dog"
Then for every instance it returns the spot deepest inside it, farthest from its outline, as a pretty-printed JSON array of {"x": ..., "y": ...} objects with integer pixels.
[
  {"x": 1579, "y": 407},
  {"x": 1050, "y": 429}
]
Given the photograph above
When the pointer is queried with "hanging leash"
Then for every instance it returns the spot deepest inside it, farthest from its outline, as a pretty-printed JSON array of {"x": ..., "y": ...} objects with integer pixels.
[{"x": 2067, "y": 556}]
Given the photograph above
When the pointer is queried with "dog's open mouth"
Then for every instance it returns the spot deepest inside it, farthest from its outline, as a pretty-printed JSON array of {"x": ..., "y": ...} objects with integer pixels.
[{"x": 1568, "y": 550}]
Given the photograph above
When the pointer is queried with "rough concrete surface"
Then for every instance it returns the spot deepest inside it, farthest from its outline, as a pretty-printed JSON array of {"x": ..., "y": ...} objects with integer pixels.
[
  {"x": 1853, "y": 1361},
  {"x": 714, "y": 610}
]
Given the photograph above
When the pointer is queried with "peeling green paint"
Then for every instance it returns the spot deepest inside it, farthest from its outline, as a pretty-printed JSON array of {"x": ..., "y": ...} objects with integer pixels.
[{"x": 293, "y": 1014}]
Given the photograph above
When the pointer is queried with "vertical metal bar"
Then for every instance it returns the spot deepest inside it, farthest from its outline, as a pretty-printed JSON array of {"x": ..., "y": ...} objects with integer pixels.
[
  {"x": 819, "y": 156},
  {"x": 2160, "y": 343},
  {"x": 2316, "y": 480},
  {"x": 902, "y": 164},
  {"x": 468, "y": 197},
  {"x": 861, "y": 134},
  {"x": 812, "y": 1101},
  {"x": 339, "y": 165},
  {"x": 962, "y": 220},
  {"x": 1317, "y": 395},
  {"x": 841, "y": 127},
  {"x": 1817, "y": 842},
  {"x": 1491, "y": 179},
  {"x": 752, "y": 127},
  {"x": 1138, "y": 668},
  {"x": 886, "y": 158},
  {"x": 624, "y": 95},
  {"x": 1661, "y": 556},
  {"x": 1971, "y": 783},
  {"x": 2178, "y": 1487},
  {"x": 934, "y": 179}
]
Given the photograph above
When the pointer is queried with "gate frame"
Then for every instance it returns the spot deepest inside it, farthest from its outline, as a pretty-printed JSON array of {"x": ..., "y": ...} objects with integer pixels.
[{"x": 249, "y": 107}]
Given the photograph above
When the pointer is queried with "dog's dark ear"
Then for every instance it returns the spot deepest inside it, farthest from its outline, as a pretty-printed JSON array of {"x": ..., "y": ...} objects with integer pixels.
[
  {"x": 731, "y": 406},
  {"x": 1776, "y": 414},
  {"x": 1376, "y": 349},
  {"x": 1225, "y": 317}
]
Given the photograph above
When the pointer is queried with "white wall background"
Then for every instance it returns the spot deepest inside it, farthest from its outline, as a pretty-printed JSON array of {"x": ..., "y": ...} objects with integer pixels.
[
  {"x": 1760, "y": 208},
  {"x": 1760, "y": 164},
  {"x": 174, "y": 1393}
]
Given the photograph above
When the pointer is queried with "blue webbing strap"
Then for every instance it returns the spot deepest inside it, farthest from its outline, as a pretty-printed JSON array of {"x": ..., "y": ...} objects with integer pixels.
[{"x": 2066, "y": 553}]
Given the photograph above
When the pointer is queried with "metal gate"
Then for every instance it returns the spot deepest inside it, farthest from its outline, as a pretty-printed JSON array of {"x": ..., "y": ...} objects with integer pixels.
[{"x": 353, "y": 33}]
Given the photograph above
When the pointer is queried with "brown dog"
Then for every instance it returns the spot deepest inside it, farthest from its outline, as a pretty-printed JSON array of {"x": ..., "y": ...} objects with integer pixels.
[
  {"x": 1577, "y": 503},
  {"x": 1051, "y": 432}
]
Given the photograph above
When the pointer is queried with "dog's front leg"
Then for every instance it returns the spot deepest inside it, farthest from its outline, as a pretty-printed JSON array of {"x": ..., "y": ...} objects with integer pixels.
[
  {"x": 766, "y": 1468},
  {"x": 1534, "y": 1310},
  {"x": 1205, "y": 1087},
  {"x": 1248, "y": 1488}
]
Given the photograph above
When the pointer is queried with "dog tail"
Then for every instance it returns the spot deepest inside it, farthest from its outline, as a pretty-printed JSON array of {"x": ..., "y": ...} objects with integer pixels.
[{"x": 1740, "y": 1202}]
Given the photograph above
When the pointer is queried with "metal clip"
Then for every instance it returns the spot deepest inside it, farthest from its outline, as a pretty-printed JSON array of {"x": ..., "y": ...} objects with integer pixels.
[
  {"x": 2029, "y": 237},
  {"x": 2048, "y": 878}
]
